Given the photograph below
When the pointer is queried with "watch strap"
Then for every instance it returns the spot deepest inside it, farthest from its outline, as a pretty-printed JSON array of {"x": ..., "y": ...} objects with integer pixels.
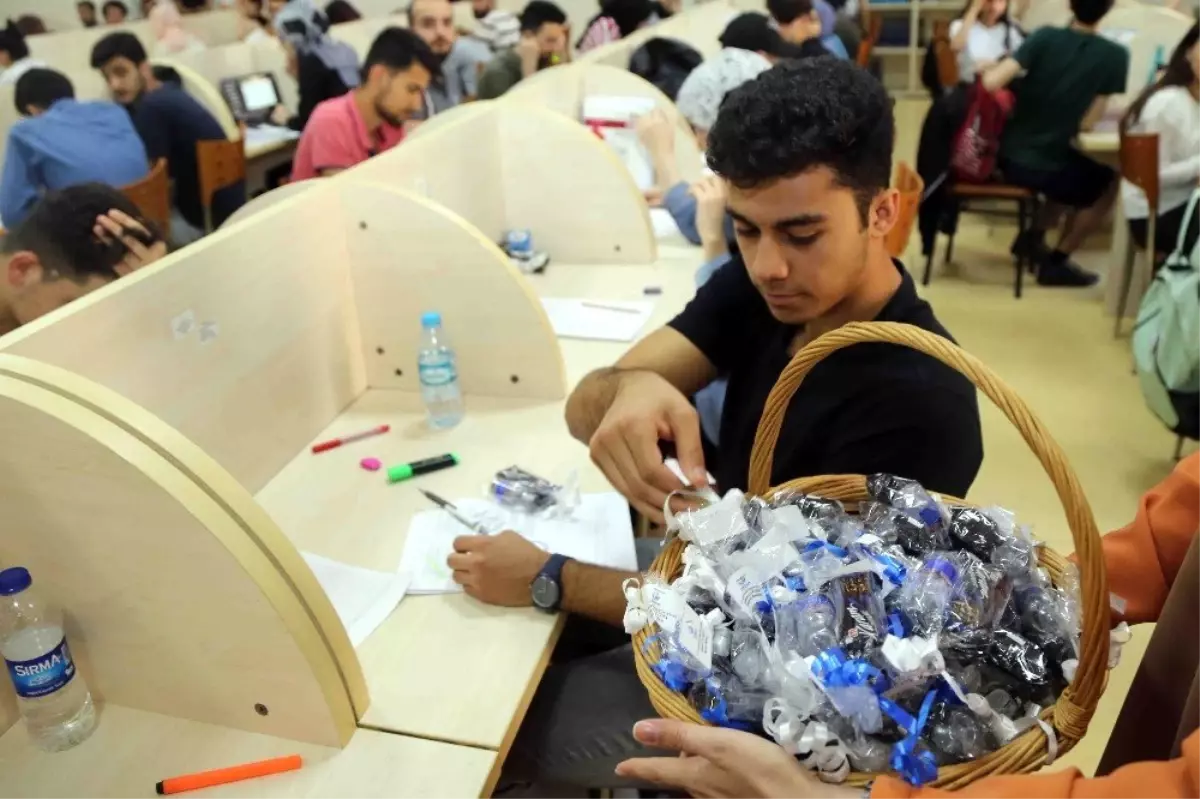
[{"x": 552, "y": 571}]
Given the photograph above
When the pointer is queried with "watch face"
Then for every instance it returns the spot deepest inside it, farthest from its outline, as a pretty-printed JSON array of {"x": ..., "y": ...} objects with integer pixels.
[{"x": 544, "y": 593}]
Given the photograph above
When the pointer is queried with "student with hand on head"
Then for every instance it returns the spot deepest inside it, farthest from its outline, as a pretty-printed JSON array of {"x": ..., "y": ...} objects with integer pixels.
[
  {"x": 115, "y": 12},
  {"x": 166, "y": 23},
  {"x": 170, "y": 122},
  {"x": 805, "y": 151},
  {"x": 87, "y": 13},
  {"x": 14, "y": 55},
  {"x": 1069, "y": 74},
  {"x": 74, "y": 241},
  {"x": 498, "y": 29},
  {"x": 324, "y": 68},
  {"x": 1169, "y": 107},
  {"x": 370, "y": 119},
  {"x": 983, "y": 36},
  {"x": 461, "y": 58},
  {"x": 62, "y": 142},
  {"x": 545, "y": 37},
  {"x": 1154, "y": 749}
]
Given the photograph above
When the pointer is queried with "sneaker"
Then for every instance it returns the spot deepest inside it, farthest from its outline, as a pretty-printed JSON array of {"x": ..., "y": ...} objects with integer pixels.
[{"x": 1067, "y": 273}]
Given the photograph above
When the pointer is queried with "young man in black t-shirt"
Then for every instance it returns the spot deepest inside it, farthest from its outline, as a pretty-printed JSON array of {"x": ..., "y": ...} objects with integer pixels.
[{"x": 806, "y": 150}]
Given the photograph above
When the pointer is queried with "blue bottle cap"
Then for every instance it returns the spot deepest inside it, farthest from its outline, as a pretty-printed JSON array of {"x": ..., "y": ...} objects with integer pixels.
[
  {"x": 14, "y": 580},
  {"x": 944, "y": 567},
  {"x": 431, "y": 319}
]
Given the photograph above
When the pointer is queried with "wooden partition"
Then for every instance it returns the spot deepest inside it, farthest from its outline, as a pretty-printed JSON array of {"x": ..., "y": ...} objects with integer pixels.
[
  {"x": 146, "y": 416},
  {"x": 70, "y": 50},
  {"x": 502, "y": 165},
  {"x": 184, "y": 598},
  {"x": 1144, "y": 30},
  {"x": 362, "y": 32},
  {"x": 563, "y": 90},
  {"x": 697, "y": 27}
]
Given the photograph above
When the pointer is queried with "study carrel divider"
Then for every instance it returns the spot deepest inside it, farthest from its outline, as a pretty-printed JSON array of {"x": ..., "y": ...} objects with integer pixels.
[
  {"x": 143, "y": 418},
  {"x": 563, "y": 89},
  {"x": 502, "y": 166}
]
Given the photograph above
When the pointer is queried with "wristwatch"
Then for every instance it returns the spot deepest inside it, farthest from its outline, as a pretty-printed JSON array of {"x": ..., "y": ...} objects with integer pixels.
[{"x": 546, "y": 588}]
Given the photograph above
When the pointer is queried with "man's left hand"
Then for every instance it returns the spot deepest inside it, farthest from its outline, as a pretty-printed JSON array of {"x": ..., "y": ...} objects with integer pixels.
[
  {"x": 141, "y": 247},
  {"x": 497, "y": 569}
]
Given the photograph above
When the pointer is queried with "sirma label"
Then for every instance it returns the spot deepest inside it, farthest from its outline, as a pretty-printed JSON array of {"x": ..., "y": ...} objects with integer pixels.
[
  {"x": 442, "y": 374},
  {"x": 44, "y": 675}
]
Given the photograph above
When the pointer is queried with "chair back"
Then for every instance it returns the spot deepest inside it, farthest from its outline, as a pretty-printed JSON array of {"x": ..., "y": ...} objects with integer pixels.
[
  {"x": 911, "y": 187},
  {"x": 867, "y": 46},
  {"x": 1139, "y": 164},
  {"x": 943, "y": 53},
  {"x": 152, "y": 196},
  {"x": 220, "y": 163}
]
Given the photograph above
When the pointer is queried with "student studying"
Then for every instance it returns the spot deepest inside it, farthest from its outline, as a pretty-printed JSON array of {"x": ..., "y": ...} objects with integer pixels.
[
  {"x": 62, "y": 142},
  {"x": 370, "y": 119},
  {"x": 170, "y": 122},
  {"x": 462, "y": 58},
  {"x": 545, "y": 37},
  {"x": 324, "y": 68}
]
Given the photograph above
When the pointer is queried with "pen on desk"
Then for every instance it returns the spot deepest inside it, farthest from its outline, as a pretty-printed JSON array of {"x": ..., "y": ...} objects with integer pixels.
[
  {"x": 454, "y": 512},
  {"x": 334, "y": 443},
  {"x": 224, "y": 776},
  {"x": 619, "y": 308}
]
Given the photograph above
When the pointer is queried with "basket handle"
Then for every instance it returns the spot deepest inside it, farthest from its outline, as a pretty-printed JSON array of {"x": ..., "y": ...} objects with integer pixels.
[{"x": 1093, "y": 657}]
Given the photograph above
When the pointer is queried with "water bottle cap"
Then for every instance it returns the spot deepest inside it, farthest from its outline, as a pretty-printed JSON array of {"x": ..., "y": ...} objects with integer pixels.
[
  {"x": 14, "y": 580},
  {"x": 431, "y": 319}
]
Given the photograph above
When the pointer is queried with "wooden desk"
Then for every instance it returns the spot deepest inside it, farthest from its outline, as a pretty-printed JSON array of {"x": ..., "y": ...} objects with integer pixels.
[
  {"x": 448, "y": 667},
  {"x": 131, "y": 750}
]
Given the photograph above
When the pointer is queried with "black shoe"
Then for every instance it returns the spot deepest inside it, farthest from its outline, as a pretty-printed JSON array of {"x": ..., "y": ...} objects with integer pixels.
[{"x": 1055, "y": 272}]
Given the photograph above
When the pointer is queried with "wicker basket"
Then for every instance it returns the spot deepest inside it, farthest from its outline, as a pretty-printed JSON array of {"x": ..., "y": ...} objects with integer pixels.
[{"x": 1071, "y": 714}]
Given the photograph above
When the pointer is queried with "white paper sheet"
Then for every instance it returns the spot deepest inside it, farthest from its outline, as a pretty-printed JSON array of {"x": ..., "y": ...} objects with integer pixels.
[
  {"x": 616, "y": 116},
  {"x": 363, "y": 598},
  {"x": 597, "y": 531},
  {"x": 663, "y": 223},
  {"x": 600, "y": 320},
  {"x": 263, "y": 135}
]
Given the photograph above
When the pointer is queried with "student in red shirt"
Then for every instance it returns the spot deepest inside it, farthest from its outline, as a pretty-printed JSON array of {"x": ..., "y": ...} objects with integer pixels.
[{"x": 348, "y": 130}]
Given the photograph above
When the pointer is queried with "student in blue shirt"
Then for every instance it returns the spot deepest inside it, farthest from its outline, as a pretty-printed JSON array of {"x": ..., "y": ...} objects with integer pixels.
[
  {"x": 170, "y": 122},
  {"x": 63, "y": 142}
]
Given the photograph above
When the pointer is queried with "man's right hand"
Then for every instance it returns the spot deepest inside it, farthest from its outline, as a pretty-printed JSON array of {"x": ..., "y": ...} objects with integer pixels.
[
  {"x": 647, "y": 409},
  {"x": 529, "y": 53}
]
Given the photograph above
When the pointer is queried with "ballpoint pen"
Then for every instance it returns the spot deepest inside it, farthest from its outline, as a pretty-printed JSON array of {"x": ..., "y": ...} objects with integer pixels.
[{"x": 454, "y": 512}]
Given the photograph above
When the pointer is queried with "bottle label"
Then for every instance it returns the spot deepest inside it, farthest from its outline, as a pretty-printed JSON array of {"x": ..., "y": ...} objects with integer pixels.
[
  {"x": 438, "y": 374},
  {"x": 44, "y": 675}
]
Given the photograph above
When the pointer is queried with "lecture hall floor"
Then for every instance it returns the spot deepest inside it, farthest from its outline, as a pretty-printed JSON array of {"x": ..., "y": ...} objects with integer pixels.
[{"x": 1055, "y": 348}]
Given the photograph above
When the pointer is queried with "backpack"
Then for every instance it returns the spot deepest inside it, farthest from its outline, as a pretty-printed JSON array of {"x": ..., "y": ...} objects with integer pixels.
[
  {"x": 1166, "y": 338},
  {"x": 664, "y": 62},
  {"x": 976, "y": 145}
]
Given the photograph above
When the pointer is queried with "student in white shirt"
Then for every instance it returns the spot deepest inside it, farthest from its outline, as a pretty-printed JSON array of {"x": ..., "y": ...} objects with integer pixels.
[
  {"x": 500, "y": 29},
  {"x": 1169, "y": 107},
  {"x": 983, "y": 36},
  {"x": 15, "y": 60}
]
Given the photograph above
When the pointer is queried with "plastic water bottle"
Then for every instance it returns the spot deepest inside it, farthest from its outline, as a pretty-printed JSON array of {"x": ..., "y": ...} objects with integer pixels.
[
  {"x": 51, "y": 694},
  {"x": 924, "y": 599},
  {"x": 806, "y": 627},
  {"x": 438, "y": 368}
]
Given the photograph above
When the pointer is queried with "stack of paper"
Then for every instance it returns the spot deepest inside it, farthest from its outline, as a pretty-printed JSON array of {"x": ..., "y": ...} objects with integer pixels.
[
  {"x": 263, "y": 135},
  {"x": 597, "y": 320},
  {"x": 597, "y": 531},
  {"x": 362, "y": 598}
]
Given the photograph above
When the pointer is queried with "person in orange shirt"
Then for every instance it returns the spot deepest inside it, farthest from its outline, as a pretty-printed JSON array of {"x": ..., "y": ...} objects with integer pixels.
[{"x": 1154, "y": 750}]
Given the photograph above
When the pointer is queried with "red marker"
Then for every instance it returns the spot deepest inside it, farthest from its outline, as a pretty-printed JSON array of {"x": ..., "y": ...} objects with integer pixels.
[{"x": 337, "y": 442}]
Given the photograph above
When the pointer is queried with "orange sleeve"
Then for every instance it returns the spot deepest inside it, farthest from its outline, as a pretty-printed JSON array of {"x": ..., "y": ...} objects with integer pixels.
[
  {"x": 1171, "y": 778},
  {"x": 1143, "y": 558}
]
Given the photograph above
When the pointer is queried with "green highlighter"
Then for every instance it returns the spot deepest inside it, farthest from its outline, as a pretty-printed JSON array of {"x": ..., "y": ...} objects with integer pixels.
[{"x": 404, "y": 471}]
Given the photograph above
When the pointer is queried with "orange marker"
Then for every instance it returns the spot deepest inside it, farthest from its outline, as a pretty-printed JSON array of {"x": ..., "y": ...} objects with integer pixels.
[{"x": 222, "y": 776}]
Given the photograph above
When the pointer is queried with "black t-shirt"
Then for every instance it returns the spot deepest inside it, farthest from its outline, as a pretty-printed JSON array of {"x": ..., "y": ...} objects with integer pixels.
[
  {"x": 171, "y": 122},
  {"x": 864, "y": 409}
]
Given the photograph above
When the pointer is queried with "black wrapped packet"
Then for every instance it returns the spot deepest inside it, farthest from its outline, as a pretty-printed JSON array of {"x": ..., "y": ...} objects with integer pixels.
[
  {"x": 861, "y": 613},
  {"x": 956, "y": 735},
  {"x": 976, "y": 532},
  {"x": 918, "y": 520}
]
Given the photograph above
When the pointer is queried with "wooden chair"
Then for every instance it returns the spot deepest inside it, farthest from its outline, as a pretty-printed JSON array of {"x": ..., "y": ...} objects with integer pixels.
[
  {"x": 947, "y": 62},
  {"x": 911, "y": 187},
  {"x": 221, "y": 163},
  {"x": 152, "y": 196},
  {"x": 867, "y": 46},
  {"x": 959, "y": 196},
  {"x": 1139, "y": 165}
]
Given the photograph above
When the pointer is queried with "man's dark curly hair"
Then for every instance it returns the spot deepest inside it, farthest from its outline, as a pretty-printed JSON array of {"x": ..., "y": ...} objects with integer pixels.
[
  {"x": 805, "y": 114},
  {"x": 59, "y": 230}
]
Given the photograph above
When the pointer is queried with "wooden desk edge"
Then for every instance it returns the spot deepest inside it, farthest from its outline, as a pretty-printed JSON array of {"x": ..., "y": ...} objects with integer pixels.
[{"x": 535, "y": 680}]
